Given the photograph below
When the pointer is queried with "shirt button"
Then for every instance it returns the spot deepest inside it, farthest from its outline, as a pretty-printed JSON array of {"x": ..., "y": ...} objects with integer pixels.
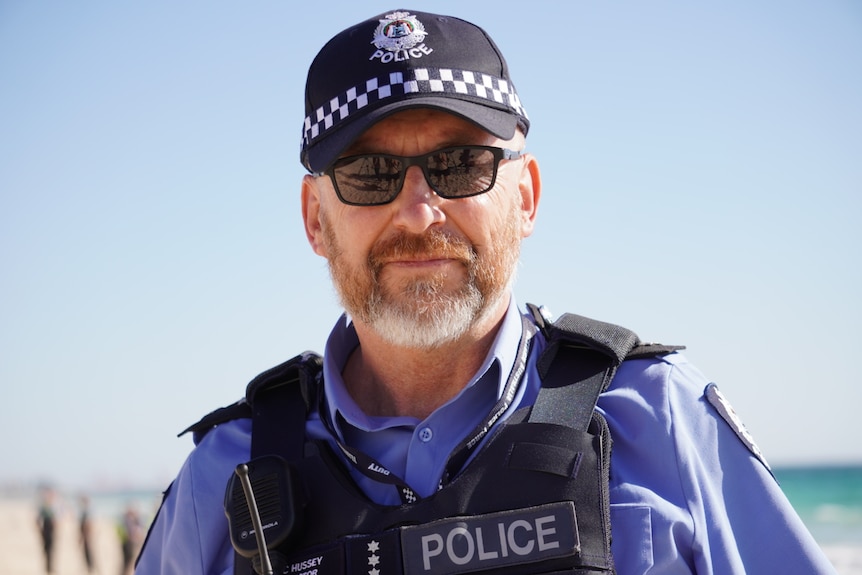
[{"x": 425, "y": 434}]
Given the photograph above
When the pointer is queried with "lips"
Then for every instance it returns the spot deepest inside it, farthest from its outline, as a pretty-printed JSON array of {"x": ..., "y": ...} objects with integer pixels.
[{"x": 410, "y": 249}]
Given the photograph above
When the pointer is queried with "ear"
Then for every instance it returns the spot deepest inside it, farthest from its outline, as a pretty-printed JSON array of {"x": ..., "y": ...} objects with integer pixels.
[
  {"x": 311, "y": 214},
  {"x": 530, "y": 187}
]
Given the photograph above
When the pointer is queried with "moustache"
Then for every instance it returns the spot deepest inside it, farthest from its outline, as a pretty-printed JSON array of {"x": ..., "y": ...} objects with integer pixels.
[{"x": 434, "y": 244}]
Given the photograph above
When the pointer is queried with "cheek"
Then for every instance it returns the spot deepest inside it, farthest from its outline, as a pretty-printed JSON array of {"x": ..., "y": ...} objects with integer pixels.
[
  {"x": 347, "y": 234},
  {"x": 486, "y": 219}
]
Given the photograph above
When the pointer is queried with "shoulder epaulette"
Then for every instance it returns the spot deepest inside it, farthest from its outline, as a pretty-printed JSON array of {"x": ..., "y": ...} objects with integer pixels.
[
  {"x": 239, "y": 410},
  {"x": 646, "y": 350}
]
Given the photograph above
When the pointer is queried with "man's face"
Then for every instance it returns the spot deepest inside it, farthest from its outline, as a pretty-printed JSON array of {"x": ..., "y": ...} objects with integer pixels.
[{"x": 423, "y": 270}]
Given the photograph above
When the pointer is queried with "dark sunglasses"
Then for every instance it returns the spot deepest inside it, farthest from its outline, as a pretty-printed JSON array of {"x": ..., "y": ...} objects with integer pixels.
[{"x": 457, "y": 172}]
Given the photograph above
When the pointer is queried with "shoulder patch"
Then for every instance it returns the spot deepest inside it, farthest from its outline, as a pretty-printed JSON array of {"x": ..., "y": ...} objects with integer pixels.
[{"x": 728, "y": 414}]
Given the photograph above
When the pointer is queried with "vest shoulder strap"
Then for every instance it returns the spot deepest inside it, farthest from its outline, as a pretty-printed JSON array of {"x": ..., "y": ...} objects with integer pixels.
[
  {"x": 302, "y": 369},
  {"x": 578, "y": 364},
  {"x": 296, "y": 376},
  {"x": 283, "y": 394}
]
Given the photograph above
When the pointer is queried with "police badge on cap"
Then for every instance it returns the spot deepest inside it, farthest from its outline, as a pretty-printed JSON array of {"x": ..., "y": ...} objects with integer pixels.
[{"x": 399, "y": 31}]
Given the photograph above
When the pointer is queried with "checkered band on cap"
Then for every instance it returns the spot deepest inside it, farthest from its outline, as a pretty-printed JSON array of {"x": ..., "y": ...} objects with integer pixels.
[{"x": 483, "y": 86}]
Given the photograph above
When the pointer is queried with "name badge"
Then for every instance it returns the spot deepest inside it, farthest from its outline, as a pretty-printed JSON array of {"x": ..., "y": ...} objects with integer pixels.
[
  {"x": 321, "y": 561},
  {"x": 490, "y": 541}
]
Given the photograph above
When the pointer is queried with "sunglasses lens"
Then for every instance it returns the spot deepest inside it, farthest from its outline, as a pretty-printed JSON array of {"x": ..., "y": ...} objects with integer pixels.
[
  {"x": 461, "y": 172},
  {"x": 369, "y": 180}
]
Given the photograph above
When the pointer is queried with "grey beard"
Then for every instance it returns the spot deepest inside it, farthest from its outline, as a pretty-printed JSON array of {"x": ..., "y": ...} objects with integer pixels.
[{"x": 429, "y": 321}]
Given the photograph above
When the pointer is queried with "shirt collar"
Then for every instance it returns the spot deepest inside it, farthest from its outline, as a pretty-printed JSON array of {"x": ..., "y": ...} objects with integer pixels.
[{"x": 343, "y": 340}]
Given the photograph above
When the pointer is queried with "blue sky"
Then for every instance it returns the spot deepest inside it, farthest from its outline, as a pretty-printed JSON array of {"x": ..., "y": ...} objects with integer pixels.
[{"x": 702, "y": 184}]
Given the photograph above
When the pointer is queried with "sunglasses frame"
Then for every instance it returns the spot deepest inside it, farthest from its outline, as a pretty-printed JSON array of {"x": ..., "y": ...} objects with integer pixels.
[{"x": 421, "y": 161}]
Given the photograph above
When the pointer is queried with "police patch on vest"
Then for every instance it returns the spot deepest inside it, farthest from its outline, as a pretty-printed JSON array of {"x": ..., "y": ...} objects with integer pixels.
[
  {"x": 491, "y": 541},
  {"x": 726, "y": 411}
]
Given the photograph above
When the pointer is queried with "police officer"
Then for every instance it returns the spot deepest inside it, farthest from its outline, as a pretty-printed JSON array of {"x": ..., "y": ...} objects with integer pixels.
[{"x": 418, "y": 197}]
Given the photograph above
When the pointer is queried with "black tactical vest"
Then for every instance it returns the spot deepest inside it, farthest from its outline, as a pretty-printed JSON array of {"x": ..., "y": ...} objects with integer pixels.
[{"x": 533, "y": 500}]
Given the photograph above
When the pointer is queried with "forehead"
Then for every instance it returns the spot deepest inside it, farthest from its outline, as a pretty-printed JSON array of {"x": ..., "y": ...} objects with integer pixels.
[{"x": 417, "y": 131}]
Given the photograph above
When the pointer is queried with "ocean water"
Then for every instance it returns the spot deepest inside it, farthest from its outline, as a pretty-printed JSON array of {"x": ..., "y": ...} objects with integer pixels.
[{"x": 828, "y": 499}]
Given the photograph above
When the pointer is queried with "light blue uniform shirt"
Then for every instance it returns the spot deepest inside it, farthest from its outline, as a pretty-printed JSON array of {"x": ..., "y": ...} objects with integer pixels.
[
  {"x": 417, "y": 451},
  {"x": 687, "y": 495}
]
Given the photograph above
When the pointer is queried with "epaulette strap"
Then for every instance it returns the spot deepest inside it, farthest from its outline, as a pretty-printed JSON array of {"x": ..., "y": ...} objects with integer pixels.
[
  {"x": 238, "y": 410},
  {"x": 646, "y": 350}
]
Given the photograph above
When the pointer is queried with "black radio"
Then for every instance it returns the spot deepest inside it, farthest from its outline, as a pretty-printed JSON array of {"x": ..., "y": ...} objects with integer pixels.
[{"x": 263, "y": 504}]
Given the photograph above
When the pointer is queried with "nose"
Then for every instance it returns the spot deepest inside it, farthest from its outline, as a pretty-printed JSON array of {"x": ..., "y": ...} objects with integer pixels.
[{"x": 417, "y": 207}]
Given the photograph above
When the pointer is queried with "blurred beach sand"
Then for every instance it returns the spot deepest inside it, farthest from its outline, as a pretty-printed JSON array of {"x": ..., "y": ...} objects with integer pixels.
[
  {"x": 21, "y": 548},
  {"x": 847, "y": 559}
]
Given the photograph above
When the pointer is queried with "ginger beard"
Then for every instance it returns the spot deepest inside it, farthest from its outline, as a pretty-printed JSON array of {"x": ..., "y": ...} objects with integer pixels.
[{"x": 423, "y": 312}]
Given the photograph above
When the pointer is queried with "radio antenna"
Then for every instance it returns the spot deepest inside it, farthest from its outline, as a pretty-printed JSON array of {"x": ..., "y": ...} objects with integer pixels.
[{"x": 266, "y": 564}]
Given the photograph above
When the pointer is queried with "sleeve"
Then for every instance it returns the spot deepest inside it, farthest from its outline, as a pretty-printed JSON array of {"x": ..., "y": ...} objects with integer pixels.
[
  {"x": 688, "y": 476},
  {"x": 190, "y": 533}
]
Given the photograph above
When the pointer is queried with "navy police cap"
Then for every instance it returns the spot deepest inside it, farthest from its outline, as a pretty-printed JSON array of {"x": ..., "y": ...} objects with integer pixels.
[{"x": 399, "y": 60}]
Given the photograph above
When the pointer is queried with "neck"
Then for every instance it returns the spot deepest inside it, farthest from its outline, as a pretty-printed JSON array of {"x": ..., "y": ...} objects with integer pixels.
[{"x": 387, "y": 380}]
